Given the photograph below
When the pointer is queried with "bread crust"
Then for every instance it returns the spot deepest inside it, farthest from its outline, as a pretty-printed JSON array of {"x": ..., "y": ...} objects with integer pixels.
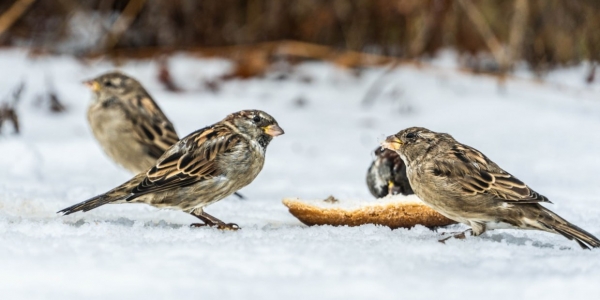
[{"x": 401, "y": 214}]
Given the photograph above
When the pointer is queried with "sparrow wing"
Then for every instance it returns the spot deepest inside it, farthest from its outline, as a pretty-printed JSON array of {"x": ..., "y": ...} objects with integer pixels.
[
  {"x": 153, "y": 129},
  {"x": 477, "y": 174},
  {"x": 191, "y": 160}
]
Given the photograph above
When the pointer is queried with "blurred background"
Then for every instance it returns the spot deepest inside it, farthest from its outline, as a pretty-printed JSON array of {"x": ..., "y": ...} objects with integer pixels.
[
  {"x": 259, "y": 36},
  {"x": 543, "y": 33}
]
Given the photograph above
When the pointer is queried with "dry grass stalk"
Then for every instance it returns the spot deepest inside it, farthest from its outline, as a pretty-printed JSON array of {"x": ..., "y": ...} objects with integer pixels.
[
  {"x": 122, "y": 23},
  {"x": 8, "y": 111},
  {"x": 14, "y": 13},
  {"x": 517, "y": 32},
  {"x": 486, "y": 32},
  {"x": 164, "y": 76}
]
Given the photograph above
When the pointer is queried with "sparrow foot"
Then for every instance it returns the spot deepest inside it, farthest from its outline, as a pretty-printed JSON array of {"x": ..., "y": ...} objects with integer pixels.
[
  {"x": 456, "y": 235},
  {"x": 228, "y": 226},
  {"x": 212, "y": 221},
  {"x": 223, "y": 226}
]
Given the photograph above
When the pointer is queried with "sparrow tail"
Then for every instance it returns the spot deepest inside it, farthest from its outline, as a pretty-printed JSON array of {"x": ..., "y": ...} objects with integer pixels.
[
  {"x": 570, "y": 231},
  {"x": 87, "y": 204},
  {"x": 117, "y": 194}
]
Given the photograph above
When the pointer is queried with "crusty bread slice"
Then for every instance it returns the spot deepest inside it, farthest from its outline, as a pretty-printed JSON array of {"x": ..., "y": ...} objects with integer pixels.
[{"x": 394, "y": 212}]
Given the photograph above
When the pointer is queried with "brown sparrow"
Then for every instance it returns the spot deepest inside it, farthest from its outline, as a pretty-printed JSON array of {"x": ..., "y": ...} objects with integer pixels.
[
  {"x": 127, "y": 123},
  {"x": 130, "y": 127},
  {"x": 200, "y": 169},
  {"x": 387, "y": 175},
  {"x": 464, "y": 185}
]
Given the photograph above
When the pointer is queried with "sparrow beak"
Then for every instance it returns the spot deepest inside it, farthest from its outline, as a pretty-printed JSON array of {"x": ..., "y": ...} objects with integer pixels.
[
  {"x": 392, "y": 143},
  {"x": 92, "y": 84},
  {"x": 273, "y": 130}
]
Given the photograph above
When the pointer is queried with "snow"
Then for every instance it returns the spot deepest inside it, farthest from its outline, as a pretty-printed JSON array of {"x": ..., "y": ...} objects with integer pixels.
[
  {"x": 547, "y": 134},
  {"x": 356, "y": 204}
]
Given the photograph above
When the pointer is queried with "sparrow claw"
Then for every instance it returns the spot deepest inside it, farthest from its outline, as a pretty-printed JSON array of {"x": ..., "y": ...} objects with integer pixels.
[
  {"x": 228, "y": 226},
  {"x": 443, "y": 241},
  {"x": 459, "y": 236},
  {"x": 224, "y": 226}
]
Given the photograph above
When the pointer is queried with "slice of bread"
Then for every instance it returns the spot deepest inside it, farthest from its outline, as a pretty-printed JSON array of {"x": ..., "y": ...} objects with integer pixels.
[{"x": 394, "y": 212}]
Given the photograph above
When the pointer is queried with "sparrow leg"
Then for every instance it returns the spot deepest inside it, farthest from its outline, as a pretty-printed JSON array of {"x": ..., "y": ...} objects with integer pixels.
[
  {"x": 460, "y": 235},
  {"x": 211, "y": 221}
]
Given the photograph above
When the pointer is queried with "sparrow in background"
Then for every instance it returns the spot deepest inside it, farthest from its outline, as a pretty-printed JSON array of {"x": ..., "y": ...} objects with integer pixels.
[
  {"x": 130, "y": 127},
  {"x": 127, "y": 123},
  {"x": 200, "y": 169},
  {"x": 387, "y": 175},
  {"x": 464, "y": 185}
]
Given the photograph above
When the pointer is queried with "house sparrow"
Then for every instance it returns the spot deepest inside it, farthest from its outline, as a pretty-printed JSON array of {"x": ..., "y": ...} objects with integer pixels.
[
  {"x": 200, "y": 169},
  {"x": 387, "y": 175},
  {"x": 129, "y": 125},
  {"x": 464, "y": 185}
]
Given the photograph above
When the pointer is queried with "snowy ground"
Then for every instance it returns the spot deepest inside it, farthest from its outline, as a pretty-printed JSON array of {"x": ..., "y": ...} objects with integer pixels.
[{"x": 548, "y": 135}]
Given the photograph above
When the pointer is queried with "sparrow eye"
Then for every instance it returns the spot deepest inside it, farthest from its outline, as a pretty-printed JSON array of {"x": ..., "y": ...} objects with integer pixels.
[
  {"x": 108, "y": 83},
  {"x": 256, "y": 119},
  {"x": 411, "y": 135}
]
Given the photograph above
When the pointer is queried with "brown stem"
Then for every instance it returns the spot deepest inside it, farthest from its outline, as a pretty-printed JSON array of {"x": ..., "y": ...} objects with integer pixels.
[{"x": 9, "y": 17}]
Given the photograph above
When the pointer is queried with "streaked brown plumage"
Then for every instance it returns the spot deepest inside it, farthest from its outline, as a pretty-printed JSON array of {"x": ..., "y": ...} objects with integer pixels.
[
  {"x": 387, "y": 174},
  {"x": 127, "y": 123},
  {"x": 464, "y": 185},
  {"x": 200, "y": 169}
]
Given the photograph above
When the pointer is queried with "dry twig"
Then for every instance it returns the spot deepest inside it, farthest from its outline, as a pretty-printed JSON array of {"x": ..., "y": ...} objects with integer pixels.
[
  {"x": 517, "y": 32},
  {"x": 486, "y": 32},
  {"x": 8, "y": 112},
  {"x": 9, "y": 17},
  {"x": 123, "y": 22},
  {"x": 164, "y": 76}
]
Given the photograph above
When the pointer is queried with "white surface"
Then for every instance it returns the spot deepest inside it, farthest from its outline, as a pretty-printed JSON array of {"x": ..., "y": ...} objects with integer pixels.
[
  {"x": 354, "y": 204},
  {"x": 548, "y": 135}
]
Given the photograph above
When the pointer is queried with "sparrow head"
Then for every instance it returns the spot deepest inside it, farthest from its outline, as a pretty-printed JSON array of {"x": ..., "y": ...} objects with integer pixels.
[
  {"x": 115, "y": 83},
  {"x": 255, "y": 124},
  {"x": 412, "y": 142}
]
